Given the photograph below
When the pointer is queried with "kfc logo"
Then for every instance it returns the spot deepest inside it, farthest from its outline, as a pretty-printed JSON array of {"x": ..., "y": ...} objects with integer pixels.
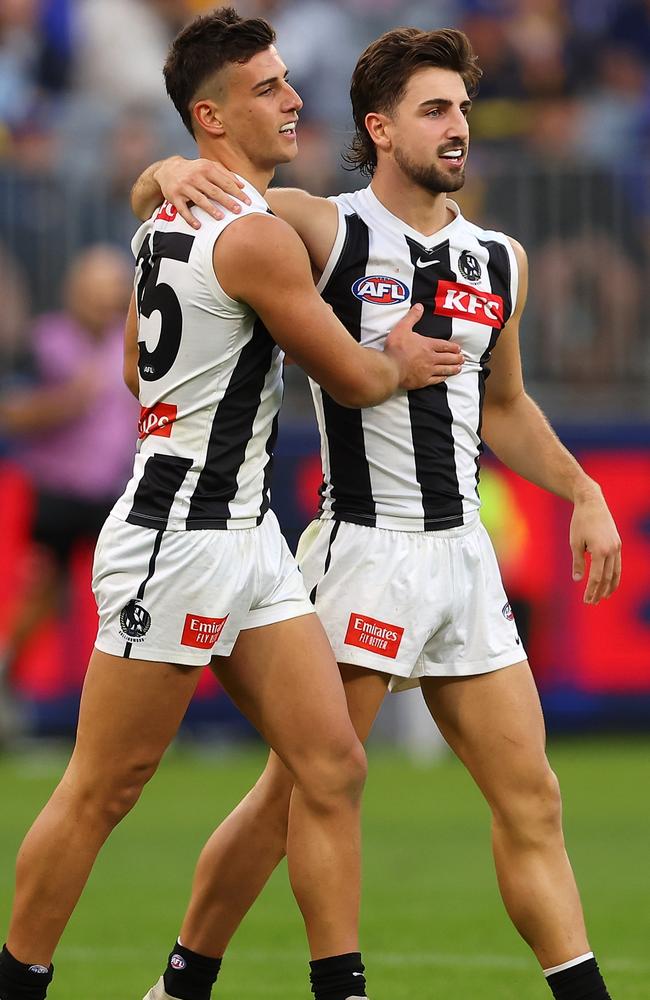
[
  {"x": 158, "y": 419},
  {"x": 202, "y": 633},
  {"x": 167, "y": 212},
  {"x": 378, "y": 637},
  {"x": 463, "y": 302}
]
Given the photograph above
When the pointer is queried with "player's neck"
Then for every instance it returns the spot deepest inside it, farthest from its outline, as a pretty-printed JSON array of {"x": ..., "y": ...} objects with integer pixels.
[
  {"x": 257, "y": 176},
  {"x": 423, "y": 211}
]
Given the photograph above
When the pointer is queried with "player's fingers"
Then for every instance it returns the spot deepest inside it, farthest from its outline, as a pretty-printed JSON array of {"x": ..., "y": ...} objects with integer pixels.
[
  {"x": 413, "y": 315},
  {"x": 442, "y": 373},
  {"x": 612, "y": 574},
  {"x": 226, "y": 198},
  {"x": 616, "y": 575},
  {"x": 578, "y": 570},
  {"x": 450, "y": 360},
  {"x": 202, "y": 201},
  {"x": 227, "y": 184},
  {"x": 595, "y": 578},
  {"x": 604, "y": 583},
  {"x": 444, "y": 346},
  {"x": 183, "y": 208}
]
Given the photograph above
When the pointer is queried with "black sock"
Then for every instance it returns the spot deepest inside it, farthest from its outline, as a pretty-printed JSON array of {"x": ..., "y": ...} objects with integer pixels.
[
  {"x": 338, "y": 978},
  {"x": 19, "y": 981},
  {"x": 581, "y": 982},
  {"x": 190, "y": 976}
]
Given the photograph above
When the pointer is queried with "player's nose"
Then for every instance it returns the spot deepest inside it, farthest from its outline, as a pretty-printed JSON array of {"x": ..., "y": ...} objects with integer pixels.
[{"x": 293, "y": 101}]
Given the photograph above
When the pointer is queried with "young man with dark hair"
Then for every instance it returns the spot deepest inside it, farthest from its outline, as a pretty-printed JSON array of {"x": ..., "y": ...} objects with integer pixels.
[
  {"x": 398, "y": 565},
  {"x": 191, "y": 567}
]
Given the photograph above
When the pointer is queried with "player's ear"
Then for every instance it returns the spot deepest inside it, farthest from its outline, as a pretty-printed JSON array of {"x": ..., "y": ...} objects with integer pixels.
[
  {"x": 208, "y": 116},
  {"x": 378, "y": 127}
]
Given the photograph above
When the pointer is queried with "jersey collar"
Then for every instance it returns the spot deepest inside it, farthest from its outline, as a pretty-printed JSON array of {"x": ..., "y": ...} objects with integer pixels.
[{"x": 400, "y": 227}]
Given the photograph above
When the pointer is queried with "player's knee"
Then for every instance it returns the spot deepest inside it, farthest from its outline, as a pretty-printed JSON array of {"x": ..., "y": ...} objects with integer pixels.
[
  {"x": 533, "y": 813},
  {"x": 103, "y": 800},
  {"x": 336, "y": 775}
]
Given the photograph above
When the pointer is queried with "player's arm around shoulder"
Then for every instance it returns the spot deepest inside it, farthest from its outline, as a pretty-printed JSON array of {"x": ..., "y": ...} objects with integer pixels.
[
  {"x": 316, "y": 220},
  {"x": 260, "y": 260}
]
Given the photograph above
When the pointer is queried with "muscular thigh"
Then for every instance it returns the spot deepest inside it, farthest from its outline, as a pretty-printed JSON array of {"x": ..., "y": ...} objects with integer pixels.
[
  {"x": 494, "y": 723},
  {"x": 130, "y": 711},
  {"x": 285, "y": 679}
]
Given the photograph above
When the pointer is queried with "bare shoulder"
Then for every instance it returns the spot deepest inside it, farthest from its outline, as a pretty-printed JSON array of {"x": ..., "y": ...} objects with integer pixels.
[
  {"x": 522, "y": 267},
  {"x": 254, "y": 250},
  {"x": 250, "y": 234},
  {"x": 519, "y": 252}
]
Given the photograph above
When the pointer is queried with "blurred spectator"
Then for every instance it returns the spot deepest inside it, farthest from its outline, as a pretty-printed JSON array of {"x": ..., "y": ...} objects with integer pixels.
[
  {"x": 630, "y": 26},
  {"x": 14, "y": 317},
  {"x": 122, "y": 46},
  {"x": 43, "y": 220},
  {"x": 585, "y": 249},
  {"x": 35, "y": 51},
  {"x": 73, "y": 431}
]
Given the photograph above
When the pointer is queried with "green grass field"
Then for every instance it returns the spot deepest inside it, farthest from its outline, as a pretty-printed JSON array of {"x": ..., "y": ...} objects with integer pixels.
[{"x": 433, "y": 924}]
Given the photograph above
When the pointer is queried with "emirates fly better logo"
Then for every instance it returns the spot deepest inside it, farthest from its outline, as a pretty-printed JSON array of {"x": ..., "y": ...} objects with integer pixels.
[
  {"x": 200, "y": 632},
  {"x": 378, "y": 637}
]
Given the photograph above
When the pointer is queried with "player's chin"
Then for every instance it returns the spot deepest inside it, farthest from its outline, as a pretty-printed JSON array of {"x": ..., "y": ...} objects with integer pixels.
[
  {"x": 288, "y": 153},
  {"x": 455, "y": 180}
]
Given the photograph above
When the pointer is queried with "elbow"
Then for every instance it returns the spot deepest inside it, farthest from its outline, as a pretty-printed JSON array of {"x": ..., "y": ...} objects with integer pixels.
[
  {"x": 360, "y": 391},
  {"x": 357, "y": 397}
]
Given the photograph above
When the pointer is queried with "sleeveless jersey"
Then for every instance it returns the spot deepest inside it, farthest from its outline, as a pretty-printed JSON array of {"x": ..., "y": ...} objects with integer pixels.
[
  {"x": 412, "y": 462},
  {"x": 210, "y": 385}
]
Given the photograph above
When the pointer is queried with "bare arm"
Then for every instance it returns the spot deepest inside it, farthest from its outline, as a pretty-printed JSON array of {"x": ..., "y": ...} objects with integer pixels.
[
  {"x": 260, "y": 260},
  {"x": 518, "y": 433},
  {"x": 131, "y": 351}
]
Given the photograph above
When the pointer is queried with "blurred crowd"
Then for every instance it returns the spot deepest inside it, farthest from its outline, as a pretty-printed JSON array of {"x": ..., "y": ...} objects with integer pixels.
[
  {"x": 561, "y": 135},
  {"x": 560, "y": 144}
]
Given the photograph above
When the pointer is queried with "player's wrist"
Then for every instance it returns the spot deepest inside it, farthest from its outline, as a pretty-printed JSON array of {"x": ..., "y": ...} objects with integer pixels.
[{"x": 585, "y": 490}]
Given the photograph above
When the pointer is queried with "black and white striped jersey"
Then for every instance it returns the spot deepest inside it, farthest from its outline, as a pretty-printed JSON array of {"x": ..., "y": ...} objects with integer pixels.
[
  {"x": 210, "y": 385},
  {"x": 412, "y": 462}
]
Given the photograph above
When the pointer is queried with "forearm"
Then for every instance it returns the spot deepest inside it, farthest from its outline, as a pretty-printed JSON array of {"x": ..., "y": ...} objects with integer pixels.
[
  {"x": 521, "y": 437},
  {"x": 376, "y": 379},
  {"x": 146, "y": 194}
]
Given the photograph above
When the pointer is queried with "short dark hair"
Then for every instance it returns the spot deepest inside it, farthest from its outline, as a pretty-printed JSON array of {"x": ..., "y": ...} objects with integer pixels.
[
  {"x": 206, "y": 45},
  {"x": 383, "y": 71}
]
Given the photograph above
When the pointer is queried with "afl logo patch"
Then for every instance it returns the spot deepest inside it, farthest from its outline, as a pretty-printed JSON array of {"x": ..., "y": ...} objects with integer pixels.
[
  {"x": 469, "y": 267},
  {"x": 380, "y": 290},
  {"x": 506, "y": 611},
  {"x": 135, "y": 621},
  {"x": 177, "y": 962}
]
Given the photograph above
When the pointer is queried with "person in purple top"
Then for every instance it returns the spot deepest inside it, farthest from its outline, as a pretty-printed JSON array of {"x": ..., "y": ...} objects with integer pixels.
[{"x": 72, "y": 430}]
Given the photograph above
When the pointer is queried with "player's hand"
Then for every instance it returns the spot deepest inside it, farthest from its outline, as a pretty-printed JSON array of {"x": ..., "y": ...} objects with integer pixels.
[
  {"x": 422, "y": 360},
  {"x": 593, "y": 531},
  {"x": 201, "y": 183}
]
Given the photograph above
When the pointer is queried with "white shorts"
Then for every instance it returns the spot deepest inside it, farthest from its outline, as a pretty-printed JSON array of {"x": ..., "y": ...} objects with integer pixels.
[
  {"x": 410, "y": 604},
  {"x": 184, "y": 596}
]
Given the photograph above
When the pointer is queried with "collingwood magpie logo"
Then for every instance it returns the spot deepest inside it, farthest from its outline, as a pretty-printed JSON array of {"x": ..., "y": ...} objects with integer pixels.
[
  {"x": 469, "y": 267},
  {"x": 135, "y": 621}
]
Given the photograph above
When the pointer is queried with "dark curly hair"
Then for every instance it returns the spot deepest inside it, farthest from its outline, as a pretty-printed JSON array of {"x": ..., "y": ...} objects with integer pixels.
[
  {"x": 383, "y": 71},
  {"x": 204, "y": 47}
]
